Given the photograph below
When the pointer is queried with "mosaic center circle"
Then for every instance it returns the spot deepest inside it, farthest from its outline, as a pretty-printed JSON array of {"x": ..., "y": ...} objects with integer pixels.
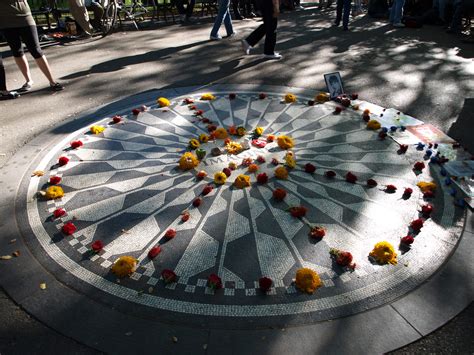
[{"x": 123, "y": 187}]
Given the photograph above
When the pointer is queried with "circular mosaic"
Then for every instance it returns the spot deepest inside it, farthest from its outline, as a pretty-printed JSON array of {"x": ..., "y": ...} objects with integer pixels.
[{"x": 123, "y": 187}]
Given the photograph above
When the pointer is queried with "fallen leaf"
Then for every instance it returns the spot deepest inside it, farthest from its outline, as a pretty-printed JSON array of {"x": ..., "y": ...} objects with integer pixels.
[
  {"x": 12, "y": 241},
  {"x": 16, "y": 254},
  {"x": 43, "y": 286},
  {"x": 5, "y": 257},
  {"x": 175, "y": 340},
  {"x": 38, "y": 173},
  {"x": 125, "y": 231}
]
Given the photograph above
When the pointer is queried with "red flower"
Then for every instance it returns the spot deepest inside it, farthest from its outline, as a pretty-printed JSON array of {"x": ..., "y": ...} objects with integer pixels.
[
  {"x": 354, "y": 96},
  {"x": 206, "y": 120},
  {"x": 270, "y": 138},
  {"x": 117, "y": 119},
  {"x": 408, "y": 191},
  {"x": 262, "y": 178},
  {"x": 344, "y": 258},
  {"x": 382, "y": 135},
  {"x": 54, "y": 180},
  {"x": 351, "y": 178},
  {"x": 199, "y": 112},
  {"x": 262, "y": 96},
  {"x": 193, "y": 107},
  {"x": 298, "y": 211},
  {"x": 63, "y": 161},
  {"x": 330, "y": 174},
  {"x": 403, "y": 148},
  {"x": 309, "y": 168},
  {"x": 76, "y": 144},
  {"x": 185, "y": 216},
  {"x": 345, "y": 102},
  {"x": 426, "y": 210},
  {"x": 136, "y": 111},
  {"x": 211, "y": 127},
  {"x": 261, "y": 159},
  {"x": 279, "y": 194},
  {"x": 417, "y": 224},
  {"x": 188, "y": 101},
  {"x": 337, "y": 110},
  {"x": 170, "y": 233},
  {"x": 69, "y": 228},
  {"x": 232, "y": 96},
  {"x": 407, "y": 240},
  {"x": 197, "y": 202},
  {"x": 259, "y": 143},
  {"x": 59, "y": 212},
  {"x": 317, "y": 232},
  {"x": 275, "y": 161},
  {"x": 97, "y": 246},
  {"x": 311, "y": 102},
  {"x": 214, "y": 282},
  {"x": 265, "y": 283},
  {"x": 201, "y": 175},
  {"x": 390, "y": 189},
  {"x": 365, "y": 117},
  {"x": 419, "y": 166},
  {"x": 428, "y": 194},
  {"x": 168, "y": 276},
  {"x": 207, "y": 190},
  {"x": 371, "y": 183},
  {"x": 153, "y": 253},
  {"x": 226, "y": 141}
]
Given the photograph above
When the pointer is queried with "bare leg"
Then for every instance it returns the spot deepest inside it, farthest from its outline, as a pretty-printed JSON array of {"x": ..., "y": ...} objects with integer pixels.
[
  {"x": 44, "y": 67},
  {"x": 22, "y": 64}
]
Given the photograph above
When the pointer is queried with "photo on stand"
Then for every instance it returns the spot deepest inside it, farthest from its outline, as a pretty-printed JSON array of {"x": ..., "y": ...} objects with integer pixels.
[{"x": 334, "y": 84}]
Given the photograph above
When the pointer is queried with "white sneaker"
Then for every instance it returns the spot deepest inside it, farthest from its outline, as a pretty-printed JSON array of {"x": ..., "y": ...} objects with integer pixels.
[
  {"x": 246, "y": 47},
  {"x": 398, "y": 25},
  {"x": 215, "y": 38},
  {"x": 233, "y": 34},
  {"x": 273, "y": 56}
]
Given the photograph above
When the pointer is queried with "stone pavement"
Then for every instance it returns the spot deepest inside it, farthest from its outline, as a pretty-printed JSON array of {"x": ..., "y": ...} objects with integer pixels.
[{"x": 401, "y": 336}]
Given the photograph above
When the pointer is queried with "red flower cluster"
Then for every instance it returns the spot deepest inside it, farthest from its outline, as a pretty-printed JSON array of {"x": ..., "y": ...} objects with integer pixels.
[
  {"x": 390, "y": 189},
  {"x": 417, "y": 224},
  {"x": 206, "y": 120},
  {"x": 275, "y": 161},
  {"x": 371, "y": 183},
  {"x": 309, "y": 168},
  {"x": 136, "y": 111},
  {"x": 188, "y": 101},
  {"x": 201, "y": 175},
  {"x": 232, "y": 96},
  {"x": 69, "y": 228},
  {"x": 199, "y": 112},
  {"x": 265, "y": 283},
  {"x": 354, "y": 96},
  {"x": 279, "y": 194},
  {"x": 153, "y": 253},
  {"x": 170, "y": 233},
  {"x": 168, "y": 276},
  {"x": 185, "y": 216},
  {"x": 259, "y": 143},
  {"x": 403, "y": 148},
  {"x": 382, "y": 135},
  {"x": 197, "y": 202},
  {"x": 298, "y": 211},
  {"x": 54, "y": 180},
  {"x": 117, "y": 119},
  {"x": 419, "y": 166},
  {"x": 227, "y": 172},
  {"x": 330, "y": 174},
  {"x": 211, "y": 128},
  {"x": 63, "y": 161},
  {"x": 337, "y": 110},
  {"x": 408, "y": 191},
  {"x": 317, "y": 232},
  {"x": 428, "y": 194},
  {"x": 262, "y": 178},
  {"x": 76, "y": 144},
  {"x": 350, "y": 177},
  {"x": 207, "y": 190},
  {"x": 247, "y": 161},
  {"x": 261, "y": 159},
  {"x": 343, "y": 258},
  {"x": 407, "y": 240},
  {"x": 214, "y": 282},
  {"x": 426, "y": 210},
  {"x": 59, "y": 212},
  {"x": 97, "y": 246},
  {"x": 262, "y": 96}
]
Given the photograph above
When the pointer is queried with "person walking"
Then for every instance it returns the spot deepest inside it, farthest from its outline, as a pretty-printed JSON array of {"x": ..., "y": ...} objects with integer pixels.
[
  {"x": 270, "y": 11},
  {"x": 185, "y": 13},
  {"x": 17, "y": 25},
  {"x": 396, "y": 13},
  {"x": 340, "y": 6},
  {"x": 4, "y": 93},
  {"x": 223, "y": 15}
]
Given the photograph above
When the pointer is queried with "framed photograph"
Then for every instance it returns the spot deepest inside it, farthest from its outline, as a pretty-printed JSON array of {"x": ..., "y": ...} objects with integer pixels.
[{"x": 334, "y": 84}]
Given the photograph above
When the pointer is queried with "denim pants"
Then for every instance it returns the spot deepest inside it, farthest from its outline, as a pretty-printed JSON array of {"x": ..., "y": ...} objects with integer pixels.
[
  {"x": 223, "y": 15},
  {"x": 396, "y": 12},
  {"x": 346, "y": 4}
]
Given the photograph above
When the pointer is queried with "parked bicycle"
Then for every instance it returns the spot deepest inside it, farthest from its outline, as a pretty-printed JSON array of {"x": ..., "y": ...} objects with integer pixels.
[{"x": 112, "y": 12}]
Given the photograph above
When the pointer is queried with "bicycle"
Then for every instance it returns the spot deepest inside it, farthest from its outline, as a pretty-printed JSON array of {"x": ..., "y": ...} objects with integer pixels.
[{"x": 111, "y": 14}]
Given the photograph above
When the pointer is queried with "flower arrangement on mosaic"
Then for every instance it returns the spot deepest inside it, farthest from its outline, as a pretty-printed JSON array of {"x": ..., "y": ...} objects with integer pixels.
[
  {"x": 384, "y": 253},
  {"x": 307, "y": 280},
  {"x": 342, "y": 258}
]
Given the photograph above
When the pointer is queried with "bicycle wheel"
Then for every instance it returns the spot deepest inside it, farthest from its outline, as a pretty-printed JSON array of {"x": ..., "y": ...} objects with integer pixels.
[{"x": 109, "y": 18}]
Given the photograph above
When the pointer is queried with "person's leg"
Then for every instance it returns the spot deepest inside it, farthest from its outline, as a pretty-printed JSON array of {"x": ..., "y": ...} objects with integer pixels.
[
  {"x": 78, "y": 10},
  {"x": 98, "y": 11},
  {"x": 190, "y": 8},
  {"x": 456, "y": 21},
  {"x": 13, "y": 37},
  {"x": 270, "y": 24},
  {"x": 228, "y": 23},
  {"x": 339, "y": 6},
  {"x": 179, "y": 5},
  {"x": 235, "y": 8},
  {"x": 221, "y": 13},
  {"x": 397, "y": 9},
  {"x": 3, "y": 79},
  {"x": 347, "y": 12},
  {"x": 256, "y": 35}
]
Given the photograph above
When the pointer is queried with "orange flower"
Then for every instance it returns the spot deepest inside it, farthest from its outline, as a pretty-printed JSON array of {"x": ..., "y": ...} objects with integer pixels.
[
  {"x": 232, "y": 130},
  {"x": 307, "y": 280},
  {"x": 252, "y": 168},
  {"x": 285, "y": 142},
  {"x": 281, "y": 173},
  {"x": 270, "y": 138},
  {"x": 220, "y": 133},
  {"x": 242, "y": 181},
  {"x": 188, "y": 161}
]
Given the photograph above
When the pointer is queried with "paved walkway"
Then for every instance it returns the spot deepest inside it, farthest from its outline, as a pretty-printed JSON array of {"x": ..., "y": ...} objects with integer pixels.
[{"x": 168, "y": 63}]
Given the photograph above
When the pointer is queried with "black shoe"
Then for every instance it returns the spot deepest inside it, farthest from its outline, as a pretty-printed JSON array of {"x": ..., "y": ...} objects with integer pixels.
[
  {"x": 56, "y": 87},
  {"x": 25, "y": 88},
  {"x": 9, "y": 96},
  {"x": 336, "y": 24},
  {"x": 345, "y": 28}
]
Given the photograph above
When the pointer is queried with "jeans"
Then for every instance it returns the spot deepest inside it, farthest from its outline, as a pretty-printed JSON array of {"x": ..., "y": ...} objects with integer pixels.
[
  {"x": 223, "y": 15},
  {"x": 456, "y": 22},
  {"x": 439, "y": 6},
  {"x": 347, "y": 11},
  {"x": 188, "y": 11},
  {"x": 396, "y": 12},
  {"x": 267, "y": 29}
]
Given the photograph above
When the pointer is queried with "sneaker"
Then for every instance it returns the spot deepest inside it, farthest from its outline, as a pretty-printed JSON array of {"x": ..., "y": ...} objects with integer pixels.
[
  {"x": 215, "y": 38},
  {"x": 275, "y": 55},
  {"x": 56, "y": 87},
  {"x": 9, "y": 95},
  {"x": 246, "y": 47},
  {"x": 233, "y": 34},
  {"x": 398, "y": 25},
  {"x": 26, "y": 87}
]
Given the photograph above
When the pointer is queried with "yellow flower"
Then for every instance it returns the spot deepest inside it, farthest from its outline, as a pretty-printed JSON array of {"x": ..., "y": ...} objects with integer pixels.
[
  {"x": 233, "y": 148},
  {"x": 232, "y": 165},
  {"x": 285, "y": 142},
  {"x": 258, "y": 131},
  {"x": 373, "y": 125},
  {"x": 54, "y": 192},
  {"x": 281, "y": 173},
  {"x": 289, "y": 98},
  {"x": 204, "y": 138},
  {"x": 220, "y": 178},
  {"x": 384, "y": 253},
  {"x": 426, "y": 186},
  {"x": 97, "y": 129},
  {"x": 220, "y": 133},
  {"x": 194, "y": 144},
  {"x": 242, "y": 181},
  {"x": 188, "y": 161},
  {"x": 207, "y": 97},
  {"x": 307, "y": 280},
  {"x": 241, "y": 131},
  {"x": 322, "y": 97},
  {"x": 124, "y": 266},
  {"x": 252, "y": 168},
  {"x": 290, "y": 160},
  {"x": 163, "y": 102}
]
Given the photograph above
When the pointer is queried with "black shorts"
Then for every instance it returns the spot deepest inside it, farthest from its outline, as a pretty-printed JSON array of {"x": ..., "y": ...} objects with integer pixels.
[{"x": 28, "y": 35}]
